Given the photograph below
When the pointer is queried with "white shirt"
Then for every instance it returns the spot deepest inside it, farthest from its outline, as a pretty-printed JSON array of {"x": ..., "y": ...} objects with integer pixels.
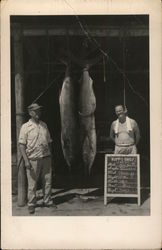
[{"x": 36, "y": 137}]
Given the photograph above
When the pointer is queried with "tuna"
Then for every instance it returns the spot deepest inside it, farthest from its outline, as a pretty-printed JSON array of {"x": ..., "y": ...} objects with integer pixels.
[
  {"x": 87, "y": 106},
  {"x": 69, "y": 126}
]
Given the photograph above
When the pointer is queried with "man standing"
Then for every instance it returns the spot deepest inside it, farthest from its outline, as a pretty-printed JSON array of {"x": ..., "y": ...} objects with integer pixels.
[
  {"x": 124, "y": 132},
  {"x": 35, "y": 146}
]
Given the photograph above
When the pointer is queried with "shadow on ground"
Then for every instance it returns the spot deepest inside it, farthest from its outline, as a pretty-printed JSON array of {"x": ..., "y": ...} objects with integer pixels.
[{"x": 67, "y": 195}]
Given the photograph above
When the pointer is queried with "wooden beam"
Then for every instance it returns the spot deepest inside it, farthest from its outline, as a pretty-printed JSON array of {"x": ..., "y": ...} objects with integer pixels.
[
  {"x": 96, "y": 31},
  {"x": 100, "y": 32},
  {"x": 19, "y": 99}
]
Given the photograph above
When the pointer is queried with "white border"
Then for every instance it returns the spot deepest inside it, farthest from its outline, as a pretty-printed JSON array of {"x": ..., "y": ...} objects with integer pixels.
[{"x": 85, "y": 232}]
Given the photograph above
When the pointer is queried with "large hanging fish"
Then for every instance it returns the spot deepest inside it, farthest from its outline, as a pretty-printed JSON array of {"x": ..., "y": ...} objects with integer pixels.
[
  {"x": 69, "y": 126},
  {"x": 87, "y": 106}
]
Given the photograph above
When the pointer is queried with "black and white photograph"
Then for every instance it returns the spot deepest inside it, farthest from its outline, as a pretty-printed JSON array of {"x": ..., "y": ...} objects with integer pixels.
[
  {"x": 79, "y": 93},
  {"x": 81, "y": 124}
]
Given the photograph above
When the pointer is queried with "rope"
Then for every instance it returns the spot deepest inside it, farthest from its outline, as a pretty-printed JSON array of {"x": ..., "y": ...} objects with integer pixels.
[
  {"x": 93, "y": 40},
  {"x": 48, "y": 58},
  {"x": 68, "y": 46},
  {"x": 129, "y": 84},
  {"x": 124, "y": 96},
  {"x": 43, "y": 92},
  {"x": 52, "y": 82},
  {"x": 104, "y": 73}
]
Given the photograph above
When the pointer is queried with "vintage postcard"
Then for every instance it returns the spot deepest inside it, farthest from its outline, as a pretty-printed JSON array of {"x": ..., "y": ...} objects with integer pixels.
[{"x": 81, "y": 124}]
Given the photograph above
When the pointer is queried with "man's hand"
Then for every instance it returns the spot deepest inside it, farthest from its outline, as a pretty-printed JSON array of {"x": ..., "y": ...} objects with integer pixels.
[
  {"x": 28, "y": 165},
  {"x": 24, "y": 155}
]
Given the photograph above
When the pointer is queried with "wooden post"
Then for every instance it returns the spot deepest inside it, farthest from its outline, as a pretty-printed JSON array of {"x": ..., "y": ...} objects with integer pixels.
[
  {"x": 19, "y": 101},
  {"x": 139, "y": 182},
  {"x": 105, "y": 182}
]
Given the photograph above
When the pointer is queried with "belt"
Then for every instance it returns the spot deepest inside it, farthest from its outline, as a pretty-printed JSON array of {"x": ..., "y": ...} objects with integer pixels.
[
  {"x": 40, "y": 158},
  {"x": 125, "y": 145}
]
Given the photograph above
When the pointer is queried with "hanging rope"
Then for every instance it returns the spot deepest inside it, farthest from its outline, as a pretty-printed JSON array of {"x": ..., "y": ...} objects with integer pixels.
[
  {"x": 68, "y": 47},
  {"x": 104, "y": 71},
  {"x": 48, "y": 70},
  {"x": 129, "y": 84},
  {"x": 93, "y": 40},
  {"x": 52, "y": 82},
  {"x": 48, "y": 59},
  {"x": 124, "y": 96},
  {"x": 123, "y": 74}
]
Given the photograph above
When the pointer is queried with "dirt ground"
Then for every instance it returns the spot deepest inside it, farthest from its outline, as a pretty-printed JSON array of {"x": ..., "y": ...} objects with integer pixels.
[{"x": 86, "y": 202}]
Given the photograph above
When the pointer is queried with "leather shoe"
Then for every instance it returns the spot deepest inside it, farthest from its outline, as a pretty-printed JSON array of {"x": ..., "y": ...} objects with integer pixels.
[{"x": 31, "y": 209}]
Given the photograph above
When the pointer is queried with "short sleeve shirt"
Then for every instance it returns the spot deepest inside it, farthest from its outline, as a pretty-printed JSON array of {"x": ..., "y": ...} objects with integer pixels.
[{"x": 36, "y": 137}]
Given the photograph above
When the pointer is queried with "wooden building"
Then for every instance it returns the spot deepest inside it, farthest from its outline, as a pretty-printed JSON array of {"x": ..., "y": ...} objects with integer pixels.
[{"x": 38, "y": 43}]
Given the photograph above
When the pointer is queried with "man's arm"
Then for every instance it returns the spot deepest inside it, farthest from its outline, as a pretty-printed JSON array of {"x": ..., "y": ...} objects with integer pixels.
[
  {"x": 22, "y": 145},
  {"x": 49, "y": 139},
  {"x": 24, "y": 155},
  {"x": 137, "y": 133},
  {"x": 112, "y": 135}
]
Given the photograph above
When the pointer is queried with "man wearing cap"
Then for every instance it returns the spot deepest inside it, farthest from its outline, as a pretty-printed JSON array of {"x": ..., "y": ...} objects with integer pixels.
[
  {"x": 124, "y": 132},
  {"x": 35, "y": 146}
]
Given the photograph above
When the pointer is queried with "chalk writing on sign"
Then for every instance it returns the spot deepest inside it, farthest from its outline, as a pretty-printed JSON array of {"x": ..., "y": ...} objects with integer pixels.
[{"x": 122, "y": 174}]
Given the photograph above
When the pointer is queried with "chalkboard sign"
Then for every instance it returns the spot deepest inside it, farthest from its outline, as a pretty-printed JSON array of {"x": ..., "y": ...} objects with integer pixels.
[{"x": 122, "y": 176}]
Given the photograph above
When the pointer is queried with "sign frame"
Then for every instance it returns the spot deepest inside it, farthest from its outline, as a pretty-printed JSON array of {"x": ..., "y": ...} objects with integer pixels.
[{"x": 106, "y": 194}]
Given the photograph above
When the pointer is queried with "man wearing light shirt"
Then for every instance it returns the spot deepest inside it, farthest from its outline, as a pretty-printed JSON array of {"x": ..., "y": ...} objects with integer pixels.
[
  {"x": 35, "y": 147},
  {"x": 124, "y": 132}
]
